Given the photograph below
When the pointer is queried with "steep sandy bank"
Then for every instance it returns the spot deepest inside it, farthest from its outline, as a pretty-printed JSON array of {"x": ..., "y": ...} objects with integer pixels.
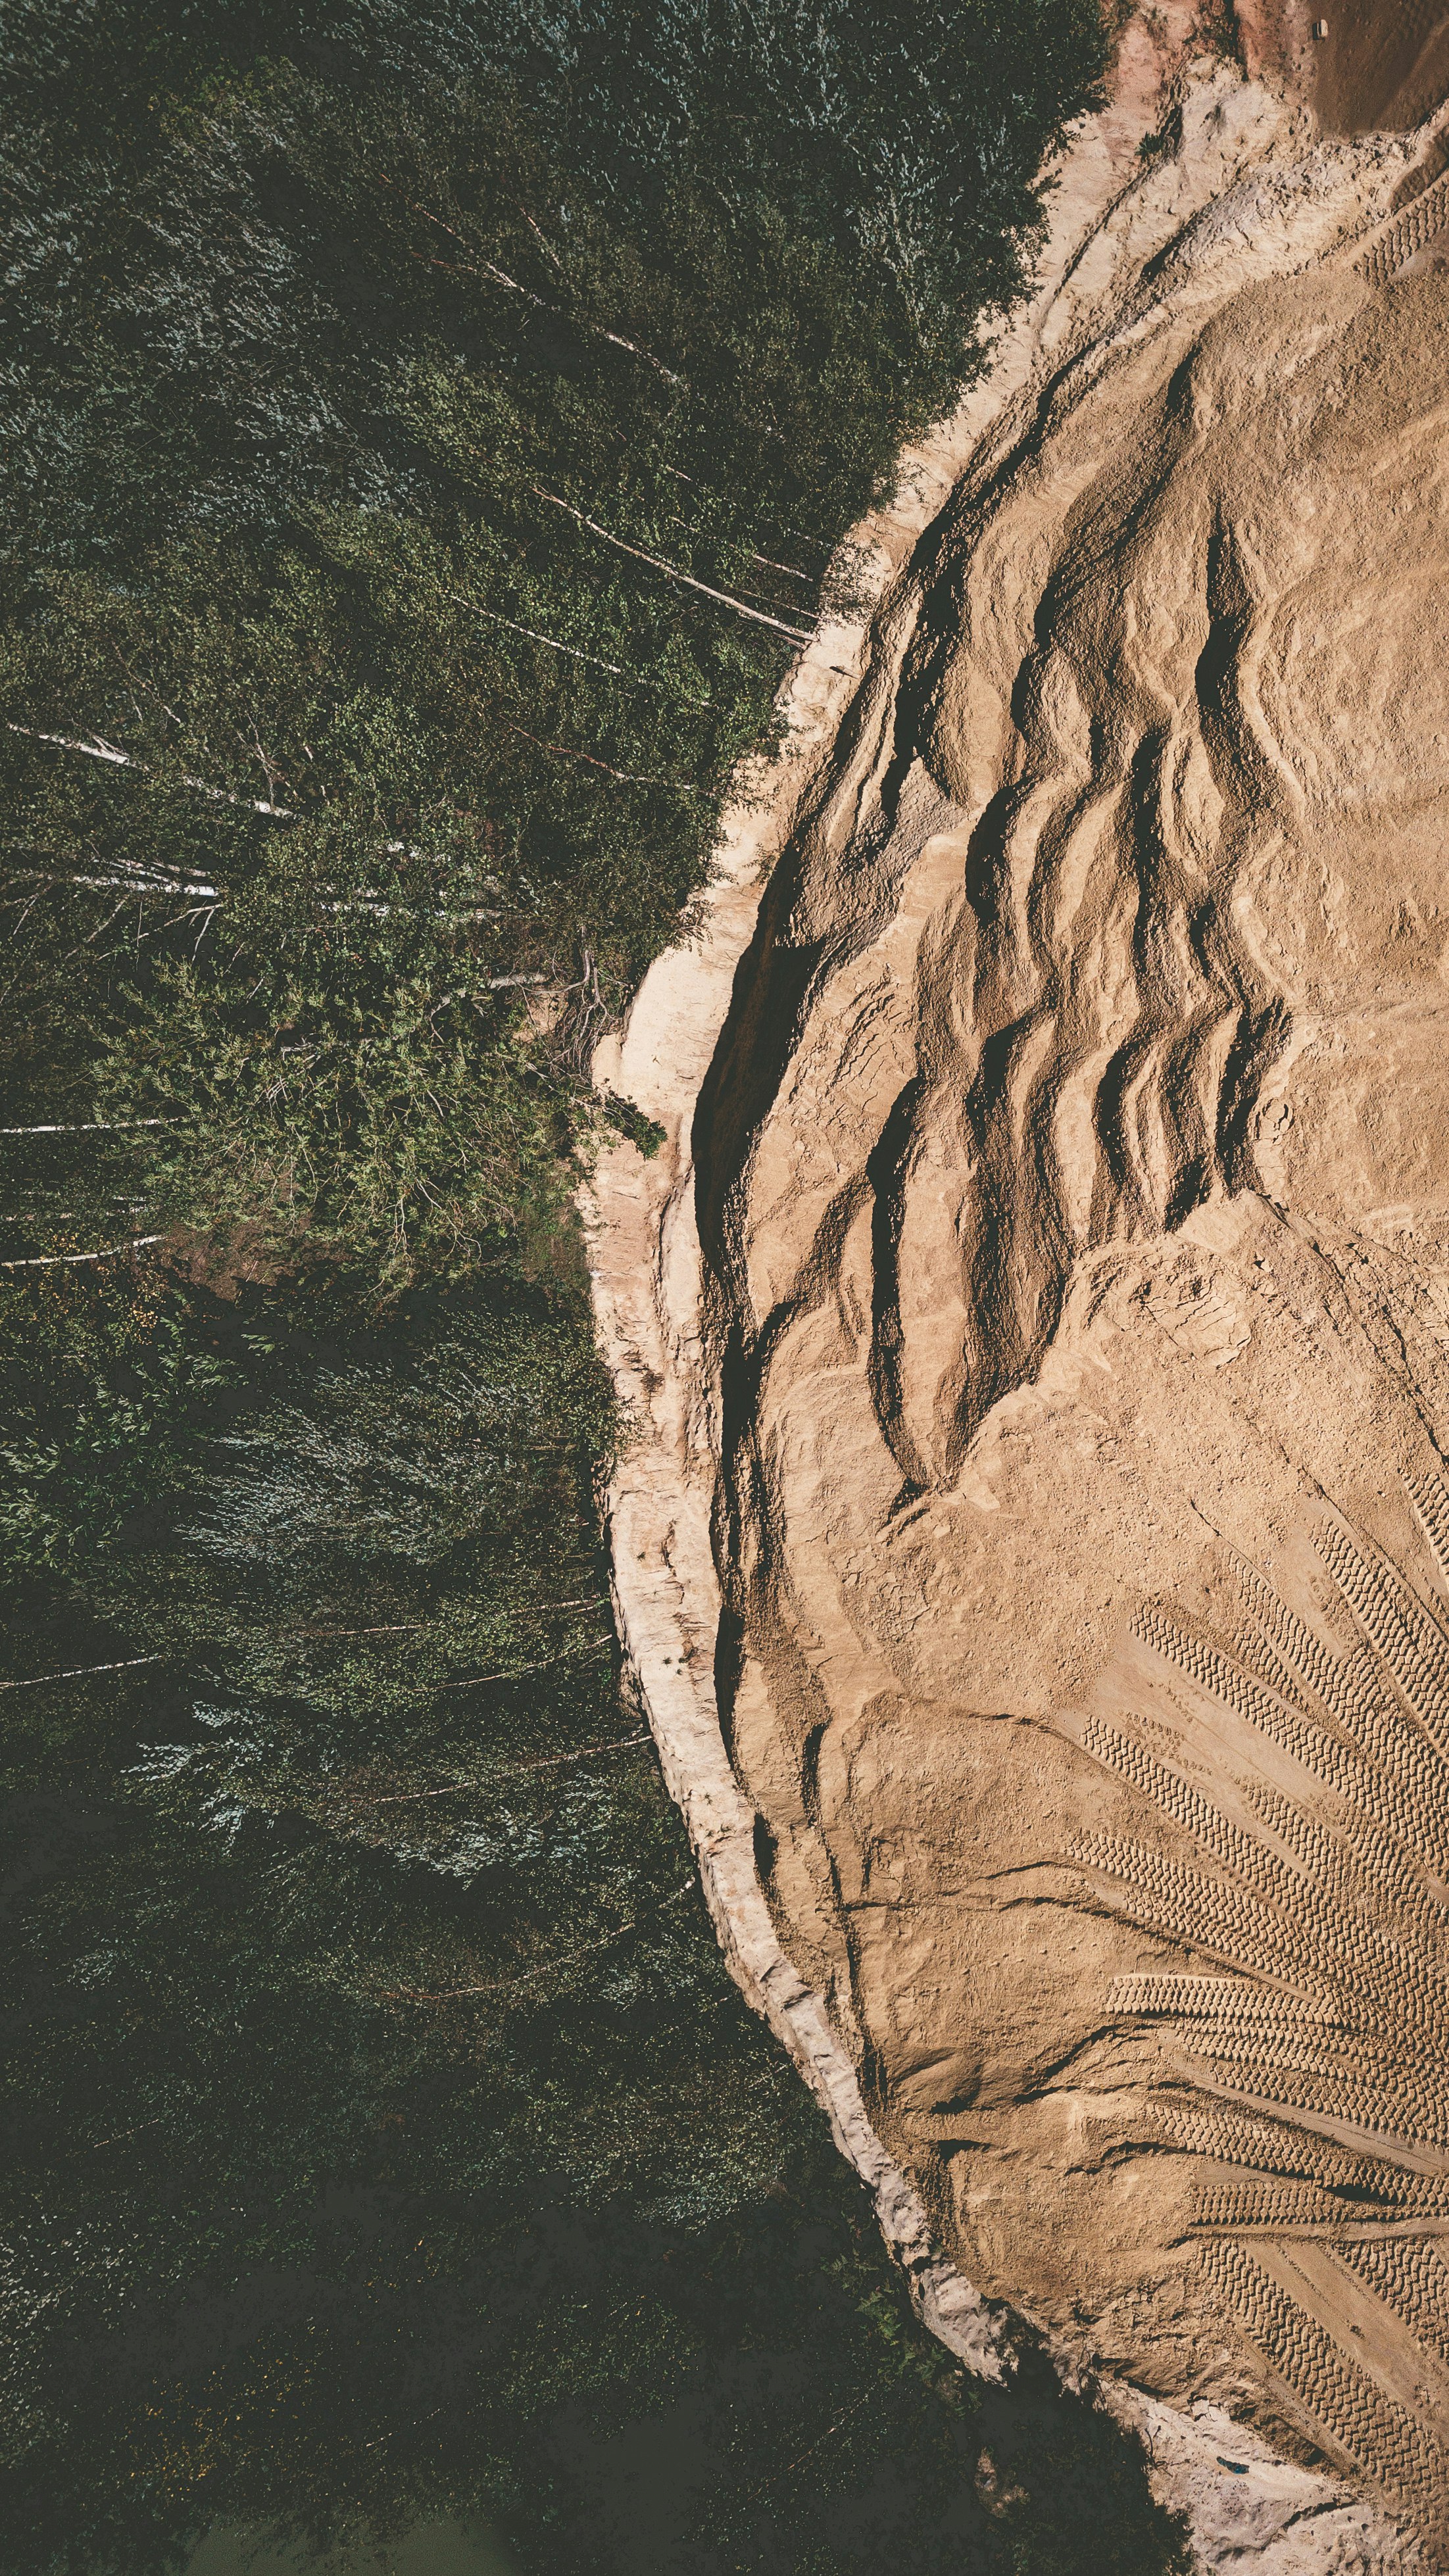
[{"x": 1048, "y": 1248}]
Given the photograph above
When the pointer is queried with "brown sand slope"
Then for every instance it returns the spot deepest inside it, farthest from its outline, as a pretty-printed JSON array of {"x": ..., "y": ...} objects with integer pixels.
[
  {"x": 1382, "y": 63},
  {"x": 1047, "y": 1373}
]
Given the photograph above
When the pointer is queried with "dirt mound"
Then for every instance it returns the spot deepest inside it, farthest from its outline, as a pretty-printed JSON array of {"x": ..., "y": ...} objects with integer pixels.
[
  {"x": 1091, "y": 1247},
  {"x": 1037, "y": 1560}
]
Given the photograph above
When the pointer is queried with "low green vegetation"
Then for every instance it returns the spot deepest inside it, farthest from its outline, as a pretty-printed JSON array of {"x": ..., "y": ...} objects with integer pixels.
[{"x": 430, "y": 429}]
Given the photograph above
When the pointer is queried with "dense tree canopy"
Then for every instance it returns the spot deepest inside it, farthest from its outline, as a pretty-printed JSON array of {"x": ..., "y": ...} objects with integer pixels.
[
  {"x": 430, "y": 431},
  {"x": 382, "y": 2134}
]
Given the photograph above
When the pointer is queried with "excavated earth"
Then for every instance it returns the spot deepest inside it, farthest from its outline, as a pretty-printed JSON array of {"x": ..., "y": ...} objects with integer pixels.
[{"x": 1034, "y": 1548}]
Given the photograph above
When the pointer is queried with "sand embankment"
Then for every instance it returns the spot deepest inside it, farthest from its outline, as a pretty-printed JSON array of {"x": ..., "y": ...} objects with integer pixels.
[{"x": 1007, "y": 1060}]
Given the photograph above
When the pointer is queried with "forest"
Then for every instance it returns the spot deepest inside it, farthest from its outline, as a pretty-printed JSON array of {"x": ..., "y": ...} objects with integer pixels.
[{"x": 431, "y": 432}]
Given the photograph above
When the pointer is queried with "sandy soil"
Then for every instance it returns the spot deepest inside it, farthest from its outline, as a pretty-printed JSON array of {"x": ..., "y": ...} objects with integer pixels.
[
  {"x": 1036, "y": 1554},
  {"x": 1382, "y": 63}
]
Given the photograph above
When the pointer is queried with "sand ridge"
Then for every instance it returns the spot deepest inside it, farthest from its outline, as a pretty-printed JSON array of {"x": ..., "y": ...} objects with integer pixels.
[{"x": 1043, "y": 1352}]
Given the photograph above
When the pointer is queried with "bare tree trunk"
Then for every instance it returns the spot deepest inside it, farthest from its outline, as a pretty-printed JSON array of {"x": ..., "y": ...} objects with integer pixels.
[{"x": 797, "y": 634}]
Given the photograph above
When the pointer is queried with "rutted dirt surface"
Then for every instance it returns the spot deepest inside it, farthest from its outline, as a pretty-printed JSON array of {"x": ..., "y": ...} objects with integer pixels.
[{"x": 1035, "y": 1556}]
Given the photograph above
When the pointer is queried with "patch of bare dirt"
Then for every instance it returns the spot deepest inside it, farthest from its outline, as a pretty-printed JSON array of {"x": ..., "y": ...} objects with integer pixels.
[{"x": 1383, "y": 63}]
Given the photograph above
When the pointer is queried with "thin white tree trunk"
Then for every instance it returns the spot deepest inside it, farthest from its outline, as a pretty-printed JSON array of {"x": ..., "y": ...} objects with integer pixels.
[
  {"x": 797, "y": 634},
  {"x": 55, "y": 1260}
]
